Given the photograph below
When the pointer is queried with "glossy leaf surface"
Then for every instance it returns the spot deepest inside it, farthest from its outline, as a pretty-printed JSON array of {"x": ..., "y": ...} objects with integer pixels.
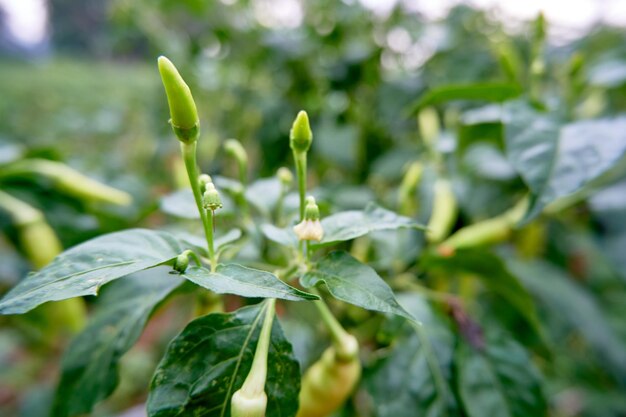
[
  {"x": 245, "y": 282},
  {"x": 351, "y": 224},
  {"x": 349, "y": 280},
  {"x": 556, "y": 161},
  {"x": 89, "y": 370},
  {"x": 209, "y": 360},
  {"x": 83, "y": 269}
]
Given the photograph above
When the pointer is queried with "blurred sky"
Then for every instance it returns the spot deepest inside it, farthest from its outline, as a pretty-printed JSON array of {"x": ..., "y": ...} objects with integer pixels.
[{"x": 27, "y": 19}]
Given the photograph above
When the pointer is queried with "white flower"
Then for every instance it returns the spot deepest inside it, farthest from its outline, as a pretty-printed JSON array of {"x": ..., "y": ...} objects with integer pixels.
[{"x": 309, "y": 230}]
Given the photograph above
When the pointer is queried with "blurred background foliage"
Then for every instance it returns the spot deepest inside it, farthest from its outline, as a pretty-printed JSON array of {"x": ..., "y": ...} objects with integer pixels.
[{"x": 94, "y": 101}]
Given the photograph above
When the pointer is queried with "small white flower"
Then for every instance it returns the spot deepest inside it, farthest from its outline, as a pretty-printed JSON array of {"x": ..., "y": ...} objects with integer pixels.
[{"x": 309, "y": 230}]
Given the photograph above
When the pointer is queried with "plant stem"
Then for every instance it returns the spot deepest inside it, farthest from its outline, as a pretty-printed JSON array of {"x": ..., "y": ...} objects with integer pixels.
[
  {"x": 189, "y": 156},
  {"x": 193, "y": 256},
  {"x": 300, "y": 158},
  {"x": 255, "y": 381},
  {"x": 341, "y": 339}
]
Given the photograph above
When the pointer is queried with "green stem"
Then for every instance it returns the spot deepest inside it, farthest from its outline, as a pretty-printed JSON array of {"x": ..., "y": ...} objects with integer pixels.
[
  {"x": 189, "y": 156},
  {"x": 193, "y": 256},
  {"x": 343, "y": 342},
  {"x": 255, "y": 381},
  {"x": 300, "y": 158}
]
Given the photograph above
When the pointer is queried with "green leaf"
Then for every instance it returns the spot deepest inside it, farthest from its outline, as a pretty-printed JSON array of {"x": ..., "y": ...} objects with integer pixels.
[
  {"x": 83, "y": 269},
  {"x": 89, "y": 367},
  {"x": 576, "y": 307},
  {"x": 181, "y": 204},
  {"x": 345, "y": 225},
  {"x": 412, "y": 377},
  {"x": 264, "y": 194},
  {"x": 499, "y": 380},
  {"x": 220, "y": 243},
  {"x": 351, "y": 224},
  {"x": 209, "y": 360},
  {"x": 557, "y": 161},
  {"x": 489, "y": 91},
  {"x": 493, "y": 272},
  {"x": 245, "y": 282},
  {"x": 353, "y": 282},
  {"x": 285, "y": 236}
]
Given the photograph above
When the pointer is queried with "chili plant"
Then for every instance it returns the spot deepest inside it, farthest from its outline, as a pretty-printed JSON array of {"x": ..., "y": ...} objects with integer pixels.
[{"x": 236, "y": 363}]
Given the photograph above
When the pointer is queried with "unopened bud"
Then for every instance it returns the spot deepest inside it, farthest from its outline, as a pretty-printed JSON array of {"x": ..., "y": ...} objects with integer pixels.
[
  {"x": 182, "y": 262},
  {"x": 285, "y": 176},
  {"x": 300, "y": 135},
  {"x": 203, "y": 180},
  {"x": 311, "y": 211},
  {"x": 211, "y": 198},
  {"x": 183, "y": 112},
  {"x": 234, "y": 148}
]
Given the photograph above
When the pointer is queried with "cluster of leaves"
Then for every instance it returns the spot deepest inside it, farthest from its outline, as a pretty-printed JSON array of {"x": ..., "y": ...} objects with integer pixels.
[{"x": 529, "y": 322}]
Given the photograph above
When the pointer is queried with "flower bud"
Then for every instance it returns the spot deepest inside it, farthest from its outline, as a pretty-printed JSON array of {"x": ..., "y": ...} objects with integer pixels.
[
  {"x": 310, "y": 228},
  {"x": 234, "y": 149},
  {"x": 182, "y": 262},
  {"x": 285, "y": 176},
  {"x": 211, "y": 198},
  {"x": 300, "y": 135},
  {"x": 311, "y": 211},
  {"x": 203, "y": 180},
  {"x": 242, "y": 405},
  {"x": 183, "y": 112}
]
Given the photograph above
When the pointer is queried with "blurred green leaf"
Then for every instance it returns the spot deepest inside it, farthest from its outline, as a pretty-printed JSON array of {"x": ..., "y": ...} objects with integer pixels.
[
  {"x": 351, "y": 224},
  {"x": 575, "y": 306},
  {"x": 495, "y": 275},
  {"x": 412, "y": 377},
  {"x": 89, "y": 369},
  {"x": 557, "y": 161},
  {"x": 499, "y": 380},
  {"x": 83, "y": 269},
  {"x": 488, "y": 91}
]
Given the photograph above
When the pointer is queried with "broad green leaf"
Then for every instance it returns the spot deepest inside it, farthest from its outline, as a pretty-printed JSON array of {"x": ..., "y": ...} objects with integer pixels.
[
  {"x": 573, "y": 305},
  {"x": 181, "y": 204},
  {"x": 245, "y": 282},
  {"x": 608, "y": 74},
  {"x": 557, "y": 161},
  {"x": 490, "y": 91},
  {"x": 353, "y": 282},
  {"x": 285, "y": 236},
  {"x": 209, "y": 360},
  {"x": 495, "y": 275},
  {"x": 345, "y": 225},
  {"x": 89, "y": 367},
  {"x": 220, "y": 242},
  {"x": 83, "y": 269},
  {"x": 264, "y": 193},
  {"x": 412, "y": 377},
  {"x": 498, "y": 380},
  {"x": 351, "y": 224}
]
